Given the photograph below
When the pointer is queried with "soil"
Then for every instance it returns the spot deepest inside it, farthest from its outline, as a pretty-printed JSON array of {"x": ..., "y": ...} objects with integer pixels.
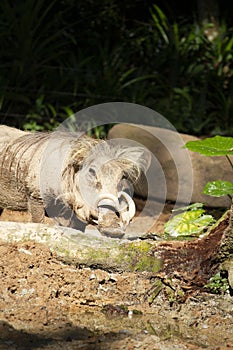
[{"x": 45, "y": 304}]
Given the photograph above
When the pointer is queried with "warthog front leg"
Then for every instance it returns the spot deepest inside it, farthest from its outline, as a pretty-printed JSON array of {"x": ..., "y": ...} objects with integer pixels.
[{"x": 36, "y": 210}]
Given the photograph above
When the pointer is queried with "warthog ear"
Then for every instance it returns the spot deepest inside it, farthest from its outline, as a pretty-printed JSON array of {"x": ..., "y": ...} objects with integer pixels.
[{"x": 140, "y": 156}]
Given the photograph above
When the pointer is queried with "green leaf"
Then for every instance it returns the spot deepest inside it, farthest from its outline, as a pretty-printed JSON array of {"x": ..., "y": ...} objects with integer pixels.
[
  {"x": 214, "y": 146},
  {"x": 161, "y": 22},
  {"x": 218, "y": 188},
  {"x": 190, "y": 223},
  {"x": 138, "y": 79},
  {"x": 68, "y": 111},
  {"x": 193, "y": 206}
]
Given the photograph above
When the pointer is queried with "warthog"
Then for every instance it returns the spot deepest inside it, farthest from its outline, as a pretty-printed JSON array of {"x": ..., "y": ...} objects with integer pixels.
[{"x": 74, "y": 179}]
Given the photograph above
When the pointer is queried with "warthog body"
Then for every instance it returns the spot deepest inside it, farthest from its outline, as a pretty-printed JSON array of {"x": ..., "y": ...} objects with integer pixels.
[{"x": 73, "y": 178}]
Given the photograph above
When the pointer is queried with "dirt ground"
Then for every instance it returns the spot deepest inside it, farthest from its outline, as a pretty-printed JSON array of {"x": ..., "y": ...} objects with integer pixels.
[{"x": 45, "y": 304}]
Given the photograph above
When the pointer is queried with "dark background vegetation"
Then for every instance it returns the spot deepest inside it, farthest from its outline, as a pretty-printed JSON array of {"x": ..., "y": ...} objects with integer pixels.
[{"x": 59, "y": 57}]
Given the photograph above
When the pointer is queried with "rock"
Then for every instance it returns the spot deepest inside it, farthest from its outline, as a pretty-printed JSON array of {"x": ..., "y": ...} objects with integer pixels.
[
  {"x": 175, "y": 174},
  {"x": 228, "y": 266}
]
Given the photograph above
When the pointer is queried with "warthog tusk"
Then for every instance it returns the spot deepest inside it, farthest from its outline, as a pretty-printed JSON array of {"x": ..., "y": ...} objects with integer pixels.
[
  {"x": 126, "y": 209},
  {"x": 132, "y": 209},
  {"x": 107, "y": 199}
]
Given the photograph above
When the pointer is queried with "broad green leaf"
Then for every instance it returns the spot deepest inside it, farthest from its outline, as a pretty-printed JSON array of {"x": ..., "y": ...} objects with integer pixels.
[
  {"x": 214, "y": 146},
  {"x": 218, "y": 188},
  {"x": 190, "y": 223},
  {"x": 193, "y": 206}
]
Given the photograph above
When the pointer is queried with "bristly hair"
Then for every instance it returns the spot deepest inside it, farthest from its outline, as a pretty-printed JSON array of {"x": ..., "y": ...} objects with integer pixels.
[
  {"x": 130, "y": 169},
  {"x": 18, "y": 148},
  {"x": 129, "y": 159},
  {"x": 81, "y": 149},
  {"x": 86, "y": 150}
]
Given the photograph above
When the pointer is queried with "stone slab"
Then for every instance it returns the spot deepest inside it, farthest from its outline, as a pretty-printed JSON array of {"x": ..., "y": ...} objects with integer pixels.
[{"x": 176, "y": 173}]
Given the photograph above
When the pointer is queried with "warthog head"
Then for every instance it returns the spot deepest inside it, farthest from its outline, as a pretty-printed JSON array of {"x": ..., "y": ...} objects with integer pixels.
[{"x": 102, "y": 184}]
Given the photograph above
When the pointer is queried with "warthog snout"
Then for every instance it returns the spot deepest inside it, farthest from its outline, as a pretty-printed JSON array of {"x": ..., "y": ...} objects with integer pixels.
[{"x": 114, "y": 213}]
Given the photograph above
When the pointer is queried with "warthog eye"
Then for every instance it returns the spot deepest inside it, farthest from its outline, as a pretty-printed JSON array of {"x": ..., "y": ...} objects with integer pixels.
[{"x": 92, "y": 171}]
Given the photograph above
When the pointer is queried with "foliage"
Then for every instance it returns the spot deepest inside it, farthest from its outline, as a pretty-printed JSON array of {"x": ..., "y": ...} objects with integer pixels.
[
  {"x": 78, "y": 54},
  {"x": 191, "y": 223},
  {"x": 218, "y": 284},
  {"x": 215, "y": 146},
  {"x": 218, "y": 188},
  {"x": 41, "y": 117},
  {"x": 32, "y": 45}
]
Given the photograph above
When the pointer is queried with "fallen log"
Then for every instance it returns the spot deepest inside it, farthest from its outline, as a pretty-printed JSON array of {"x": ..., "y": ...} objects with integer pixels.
[
  {"x": 85, "y": 249},
  {"x": 191, "y": 262}
]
